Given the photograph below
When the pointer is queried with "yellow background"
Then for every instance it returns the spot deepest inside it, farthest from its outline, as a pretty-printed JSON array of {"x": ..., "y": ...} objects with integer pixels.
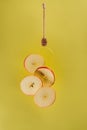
[{"x": 20, "y": 35}]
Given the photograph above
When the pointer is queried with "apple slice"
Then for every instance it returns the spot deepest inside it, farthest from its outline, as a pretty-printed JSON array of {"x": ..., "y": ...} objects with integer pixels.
[
  {"x": 45, "y": 96},
  {"x": 30, "y": 84},
  {"x": 46, "y": 75},
  {"x": 32, "y": 62}
]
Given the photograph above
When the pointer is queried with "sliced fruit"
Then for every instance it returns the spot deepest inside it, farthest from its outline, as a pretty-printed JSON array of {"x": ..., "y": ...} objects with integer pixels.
[
  {"x": 30, "y": 84},
  {"x": 46, "y": 75},
  {"x": 45, "y": 96},
  {"x": 32, "y": 62}
]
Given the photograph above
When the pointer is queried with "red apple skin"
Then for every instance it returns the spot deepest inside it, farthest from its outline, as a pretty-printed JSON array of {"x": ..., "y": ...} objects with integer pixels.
[
  {"x": 25, "y": 60},
  {"x": 48, "y": 69}
]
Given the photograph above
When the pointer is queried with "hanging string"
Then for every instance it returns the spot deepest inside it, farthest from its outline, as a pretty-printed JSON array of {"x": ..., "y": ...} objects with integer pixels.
[
  {"x": 44, "y": 41},
  {"x": 43, "y": 20}
]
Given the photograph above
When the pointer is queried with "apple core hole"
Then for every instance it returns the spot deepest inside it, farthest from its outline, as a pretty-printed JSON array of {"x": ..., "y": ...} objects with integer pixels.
[
  {"x": 32, "y": 85},
  {"x": 45, "y": 96},
  {"x": 33, "y": 63}
]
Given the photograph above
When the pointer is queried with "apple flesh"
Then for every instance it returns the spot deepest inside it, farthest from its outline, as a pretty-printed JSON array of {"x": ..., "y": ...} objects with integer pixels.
[
  {"x": 46, "y": 75},
  {"x": 32, "y": 62},
  {"x": 45, "y": 97},
  {"x": 30, "y": 84}
]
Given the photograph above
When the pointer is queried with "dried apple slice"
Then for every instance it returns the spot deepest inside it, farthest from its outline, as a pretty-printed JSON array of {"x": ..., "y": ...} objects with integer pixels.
[
  {"x": 32, "y": 62},
  {"x": 45, "y": 97},
  {"x": 30, "y": 84},
  {"x": 46, "y": 75}
]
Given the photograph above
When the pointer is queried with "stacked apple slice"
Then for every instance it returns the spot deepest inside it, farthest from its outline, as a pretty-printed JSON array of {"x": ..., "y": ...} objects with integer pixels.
[
  {"x": 39, "y": 84},
  {"x": 46, "y": 75}
]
